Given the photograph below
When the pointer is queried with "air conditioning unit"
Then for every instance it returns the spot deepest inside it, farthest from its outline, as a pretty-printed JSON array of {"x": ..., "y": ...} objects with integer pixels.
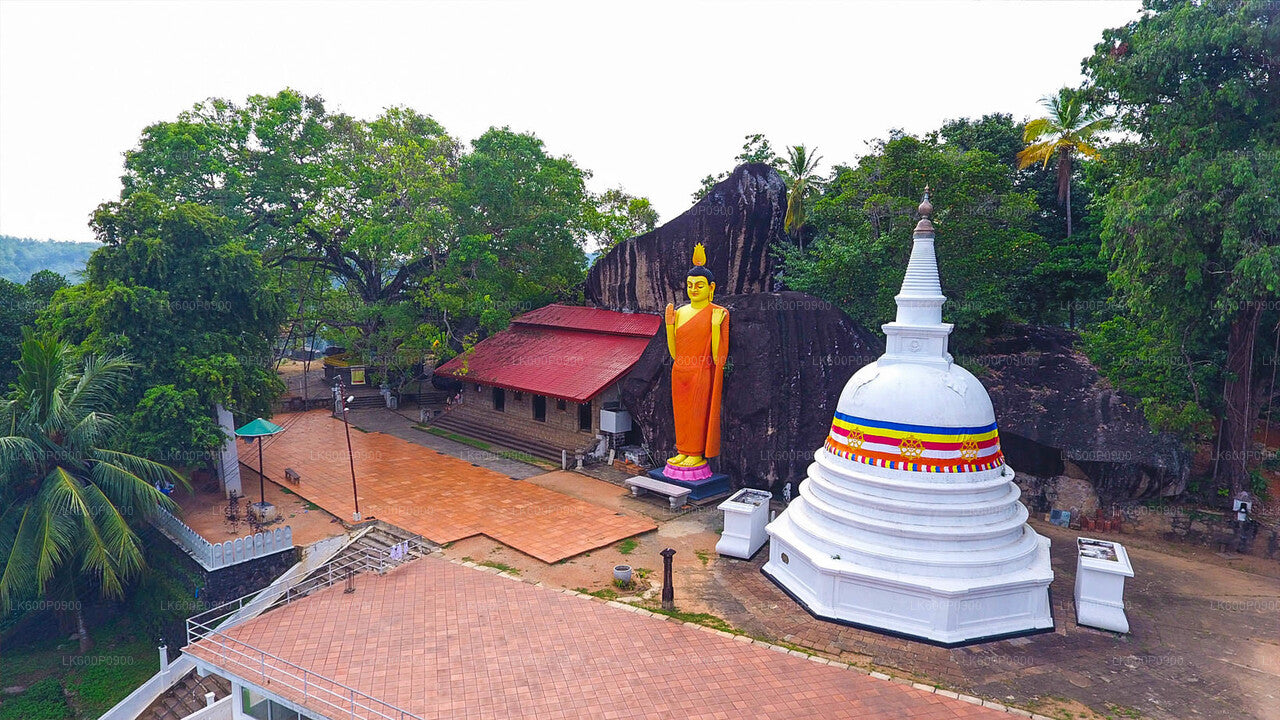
[{"x": 615, "y": 421}]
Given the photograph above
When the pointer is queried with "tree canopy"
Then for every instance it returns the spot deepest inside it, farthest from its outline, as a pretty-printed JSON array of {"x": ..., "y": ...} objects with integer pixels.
[
  {"x": 187, "y": 301},
  {"x": 865, "y": 218},
  {"x": 389, "y": 235},
  {"x": 1191, "y": 223}
]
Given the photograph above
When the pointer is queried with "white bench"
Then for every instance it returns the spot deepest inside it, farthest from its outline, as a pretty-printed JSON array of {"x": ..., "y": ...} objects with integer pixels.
[{"x": 676, "y": 494}]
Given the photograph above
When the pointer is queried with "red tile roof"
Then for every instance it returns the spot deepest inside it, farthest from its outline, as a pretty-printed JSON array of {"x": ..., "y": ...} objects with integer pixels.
[
  {"x": 440, "y": 640},
  {"x": 566, "y": 352},
  {"x": 574, "y": 317}
]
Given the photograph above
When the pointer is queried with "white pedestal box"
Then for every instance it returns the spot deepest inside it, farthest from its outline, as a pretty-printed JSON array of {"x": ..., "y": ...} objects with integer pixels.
[
  {"x": 1101, "y": 567},
  {"x": 746, "y": 513}
]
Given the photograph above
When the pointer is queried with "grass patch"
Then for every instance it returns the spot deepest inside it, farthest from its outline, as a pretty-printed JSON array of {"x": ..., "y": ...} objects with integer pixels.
[
  {"x": 502, "y": 567},
  {"x": 642, "y": 573},
  {"x": 602, "y": 593},
  {"x": 706, "y": 619},
  {"x": 441, "y": 432},
  {"x": 628, "y": 546},
  {"x": 703, "y": 556},
  {"x": 42, "y": 701},
  {"x": 62, "y": 684}
]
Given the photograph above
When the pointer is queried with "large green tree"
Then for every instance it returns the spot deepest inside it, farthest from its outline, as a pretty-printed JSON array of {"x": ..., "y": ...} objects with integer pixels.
[
  {"x": 68, "y": 500},
  {"x": 620, "y": 216},
  {"x": 1192, "y": 223},
  {"x": 192, "y": 305},
  {"x": 370, "y": 224}
]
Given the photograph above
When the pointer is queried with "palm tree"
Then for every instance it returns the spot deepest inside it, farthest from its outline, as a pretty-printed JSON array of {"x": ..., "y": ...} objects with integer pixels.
[
  {"x": 1069, "y": 128},
  {"x": 66, "y": 497},
  {"x": 801, "y": 172}
]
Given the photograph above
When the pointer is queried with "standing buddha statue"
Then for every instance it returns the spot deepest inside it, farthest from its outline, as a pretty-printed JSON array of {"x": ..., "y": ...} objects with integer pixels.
[{"x": 698, "y": 340}]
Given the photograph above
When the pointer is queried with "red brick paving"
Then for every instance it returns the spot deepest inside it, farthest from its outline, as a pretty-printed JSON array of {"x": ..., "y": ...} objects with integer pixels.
[
  {"x": 441, "y": 640},
  {"x": 440, "y": 497}
]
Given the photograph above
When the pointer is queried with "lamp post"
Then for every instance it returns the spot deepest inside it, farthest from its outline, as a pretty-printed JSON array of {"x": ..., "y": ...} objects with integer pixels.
[{"x": 355, "y": 494}]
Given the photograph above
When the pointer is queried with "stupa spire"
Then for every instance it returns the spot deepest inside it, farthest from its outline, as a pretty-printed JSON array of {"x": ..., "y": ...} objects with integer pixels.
[{"x": 918, "y": 333}]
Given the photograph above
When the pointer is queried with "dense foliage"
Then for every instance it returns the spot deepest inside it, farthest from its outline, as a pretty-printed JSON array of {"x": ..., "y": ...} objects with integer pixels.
[
  {"x": 389, "y": 235},
  {"x": 1191, "y": 222},
  {"x": 191, "y": 305},
  {"x": 987, "y": 248},
  {"x": 19, "y": 307},
  {"x": 68, "y": 496}
]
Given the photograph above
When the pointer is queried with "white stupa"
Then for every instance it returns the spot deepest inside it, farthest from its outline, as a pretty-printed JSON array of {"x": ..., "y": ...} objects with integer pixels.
[{"x": 909, "y": 521}]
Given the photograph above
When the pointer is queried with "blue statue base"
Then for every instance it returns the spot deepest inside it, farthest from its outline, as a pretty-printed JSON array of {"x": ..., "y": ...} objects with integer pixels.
[{"x": 716, "y": 484}]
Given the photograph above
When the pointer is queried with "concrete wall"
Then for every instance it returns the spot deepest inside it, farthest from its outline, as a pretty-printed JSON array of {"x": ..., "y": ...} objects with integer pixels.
[{"x": 560, "y": 427}]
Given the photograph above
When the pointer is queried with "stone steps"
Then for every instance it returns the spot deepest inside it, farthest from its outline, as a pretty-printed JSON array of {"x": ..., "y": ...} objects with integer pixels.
[
  {"x": 186, "y": 696},
  {"x": 468, "y": 425}
]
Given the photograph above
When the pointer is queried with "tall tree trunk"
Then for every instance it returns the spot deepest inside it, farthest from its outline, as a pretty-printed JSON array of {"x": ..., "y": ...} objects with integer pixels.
[
  {"x": 1069, "y": 211},
  {"x": 81, "y": 629},
  {"x": 1239, "y": 410}
]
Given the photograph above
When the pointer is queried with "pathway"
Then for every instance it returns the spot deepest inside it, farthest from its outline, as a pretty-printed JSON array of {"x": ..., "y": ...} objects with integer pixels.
[{"x": 438, "y": 496}]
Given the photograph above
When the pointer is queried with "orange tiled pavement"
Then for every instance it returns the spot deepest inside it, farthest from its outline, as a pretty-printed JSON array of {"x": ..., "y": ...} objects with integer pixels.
[
  {"x": 438, "y": 496},
  {"x": 440, "y": 640}
]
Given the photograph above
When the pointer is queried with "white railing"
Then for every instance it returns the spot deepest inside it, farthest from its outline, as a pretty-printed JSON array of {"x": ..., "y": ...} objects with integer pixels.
[
  {"x": 251, "y": 663},
  {"x": 213, "y": 556}
]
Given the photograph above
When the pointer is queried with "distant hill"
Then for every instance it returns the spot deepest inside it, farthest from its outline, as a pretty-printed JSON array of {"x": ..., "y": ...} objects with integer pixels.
[{"x": 20, "y": 258}]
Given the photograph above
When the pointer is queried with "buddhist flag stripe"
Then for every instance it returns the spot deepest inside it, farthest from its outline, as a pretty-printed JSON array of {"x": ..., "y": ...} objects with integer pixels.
[{"x": 917, "y": 448}]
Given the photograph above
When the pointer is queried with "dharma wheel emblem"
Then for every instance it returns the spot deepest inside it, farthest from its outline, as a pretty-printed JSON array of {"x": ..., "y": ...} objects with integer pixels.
[
  {"x": 911, "y": 447},
  {"x": 969, "y": 449},
  {"x": 856, "y": 438}
]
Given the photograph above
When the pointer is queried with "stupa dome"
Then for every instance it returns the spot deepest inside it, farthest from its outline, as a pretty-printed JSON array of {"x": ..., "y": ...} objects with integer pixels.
[{"x": 909, "y": 520}]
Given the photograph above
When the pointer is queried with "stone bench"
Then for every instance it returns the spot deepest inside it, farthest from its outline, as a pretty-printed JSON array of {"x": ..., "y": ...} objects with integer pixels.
[{"x": 676, "y": 494}]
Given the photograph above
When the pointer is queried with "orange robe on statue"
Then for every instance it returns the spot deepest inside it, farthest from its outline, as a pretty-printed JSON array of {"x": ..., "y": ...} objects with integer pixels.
[{"x": 696, "y": 384}]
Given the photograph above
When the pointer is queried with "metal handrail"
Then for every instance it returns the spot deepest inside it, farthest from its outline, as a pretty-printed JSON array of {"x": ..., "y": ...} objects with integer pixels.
[
  {"x": 274, "y": 670},
  {"x": 322, "y": 577},
  {"x": 210, "y": 631}
]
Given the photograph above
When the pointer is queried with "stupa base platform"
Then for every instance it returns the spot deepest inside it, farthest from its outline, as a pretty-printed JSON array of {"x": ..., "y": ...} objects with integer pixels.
[
  {"x": 710, "y": 485},
  {"x": 941, "y": 611}
]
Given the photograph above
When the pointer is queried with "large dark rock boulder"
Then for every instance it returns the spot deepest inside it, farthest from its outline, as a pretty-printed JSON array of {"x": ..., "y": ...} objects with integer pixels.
[
  {"x": 738, "y": 222},
  {"x": 790, "y": 355},
  {"x": 1059, "y": 417}
]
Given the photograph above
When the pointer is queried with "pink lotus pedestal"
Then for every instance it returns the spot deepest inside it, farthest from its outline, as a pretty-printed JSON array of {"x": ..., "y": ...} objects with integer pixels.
[
  {"x": 700, "y": 480},
  {"x": 688, "y": 474}
]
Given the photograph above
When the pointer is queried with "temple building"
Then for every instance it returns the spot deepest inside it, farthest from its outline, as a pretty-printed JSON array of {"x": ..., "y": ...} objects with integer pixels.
[
  {"x": 909, "y": 520},
  {"x": 548, "y": 384}
]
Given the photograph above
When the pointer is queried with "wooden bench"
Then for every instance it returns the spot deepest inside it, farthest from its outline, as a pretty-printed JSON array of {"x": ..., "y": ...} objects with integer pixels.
[
  {"x": 676, "y": 494},
  {"x": 292, "y": 476}
]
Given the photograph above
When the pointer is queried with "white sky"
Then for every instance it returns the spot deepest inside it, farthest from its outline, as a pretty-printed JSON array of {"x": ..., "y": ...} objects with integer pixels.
[{"x": 651, "y": 96}]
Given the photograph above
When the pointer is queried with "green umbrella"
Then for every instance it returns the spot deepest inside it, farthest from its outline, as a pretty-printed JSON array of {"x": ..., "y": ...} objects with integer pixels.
[{"x": 256, "y": 430}]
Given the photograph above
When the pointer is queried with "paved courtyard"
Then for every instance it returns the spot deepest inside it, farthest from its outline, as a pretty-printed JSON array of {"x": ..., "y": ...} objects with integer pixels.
[
  {"x": 1204, "y": 641},
  {"x": 438, "y": 496},
  {"x": 441, "y": 640}
]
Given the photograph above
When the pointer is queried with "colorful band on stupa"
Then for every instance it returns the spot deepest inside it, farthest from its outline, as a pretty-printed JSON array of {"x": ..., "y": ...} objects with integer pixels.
[{"x": 914, "y": 448}]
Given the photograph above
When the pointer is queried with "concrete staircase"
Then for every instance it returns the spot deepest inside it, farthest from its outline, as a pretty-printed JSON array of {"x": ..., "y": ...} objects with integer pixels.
[
  {"x": 469, "y": 425},
  {"x": 379, "y": 540},
  {"x": 186, "y": 696}
]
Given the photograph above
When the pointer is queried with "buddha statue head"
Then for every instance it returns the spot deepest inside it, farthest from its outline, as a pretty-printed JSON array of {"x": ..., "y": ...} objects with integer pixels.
[{"x": 700, "y": 283}]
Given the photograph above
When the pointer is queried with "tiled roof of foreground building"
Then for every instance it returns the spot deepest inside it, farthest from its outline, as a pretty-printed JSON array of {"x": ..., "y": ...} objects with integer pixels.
[{"x": 440, "y": 640}]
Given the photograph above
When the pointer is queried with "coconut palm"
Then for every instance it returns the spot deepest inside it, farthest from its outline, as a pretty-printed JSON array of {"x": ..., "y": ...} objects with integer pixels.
[
  {"x": 801, "y": 172},
  {"x": 66, "y": 498},
  {"x": 1069, "y": 128}
]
